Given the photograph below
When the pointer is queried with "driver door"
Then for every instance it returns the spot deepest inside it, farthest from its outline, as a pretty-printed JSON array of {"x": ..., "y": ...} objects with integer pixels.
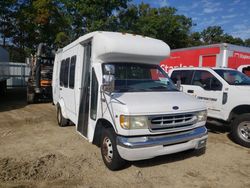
[{"x": 207, "y": 88}]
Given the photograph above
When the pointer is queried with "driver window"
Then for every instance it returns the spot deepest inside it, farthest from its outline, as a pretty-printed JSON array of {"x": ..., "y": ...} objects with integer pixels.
[{"x": 206, "y": 80}]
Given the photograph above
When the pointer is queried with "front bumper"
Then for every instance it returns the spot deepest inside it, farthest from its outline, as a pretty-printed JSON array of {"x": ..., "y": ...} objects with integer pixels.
[{"x": 146, "y": 147}]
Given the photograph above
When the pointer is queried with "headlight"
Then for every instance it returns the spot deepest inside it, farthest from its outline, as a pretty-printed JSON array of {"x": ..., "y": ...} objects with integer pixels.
[
  {"x": 133, "y": 122},
  {"x": 201, "y": 116}
]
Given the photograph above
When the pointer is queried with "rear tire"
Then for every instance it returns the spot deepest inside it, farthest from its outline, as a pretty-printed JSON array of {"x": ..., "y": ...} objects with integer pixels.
[
  {"x": 110, "y": 155},
  {"x": 62, "y": 122},
  {"x": 3, "y": 87},
  {"x": 30, "y": 98},
  {"x": 31, "y": 95},
  {"x": 241, "y": 130}
]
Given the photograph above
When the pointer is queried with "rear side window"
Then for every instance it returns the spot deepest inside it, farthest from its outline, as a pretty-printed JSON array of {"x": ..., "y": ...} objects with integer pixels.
[
  {"x": 72, "y": 72},
  {"x": 66, "y": 73},
  {"x": 62, "y": 72},
  {"x": 184, "y": 75}
]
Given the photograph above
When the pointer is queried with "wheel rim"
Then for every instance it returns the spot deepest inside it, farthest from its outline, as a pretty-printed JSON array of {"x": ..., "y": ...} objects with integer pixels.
[
  {"x": 107, "y": 149},
  {"x": 244, "y": 130}
]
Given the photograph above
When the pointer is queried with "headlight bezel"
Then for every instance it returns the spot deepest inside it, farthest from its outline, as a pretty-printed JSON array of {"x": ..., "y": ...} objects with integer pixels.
[
  {"x": 201, "y": 116},
  {"x": 128, "y": 122}
]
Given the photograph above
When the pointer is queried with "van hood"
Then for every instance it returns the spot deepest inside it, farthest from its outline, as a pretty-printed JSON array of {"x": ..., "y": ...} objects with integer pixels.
[{"x": 150, "y": 103}]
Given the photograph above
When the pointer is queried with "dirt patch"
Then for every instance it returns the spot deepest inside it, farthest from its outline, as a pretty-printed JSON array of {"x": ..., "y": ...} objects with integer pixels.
[
  {"x": 35, "y": 152},
  {"x": 42, "y": 168},
  {"x": 46, "y": 168}
]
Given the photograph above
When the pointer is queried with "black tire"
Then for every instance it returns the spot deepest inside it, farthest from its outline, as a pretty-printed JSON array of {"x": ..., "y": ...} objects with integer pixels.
[
  {"x": 3, "y": 87},
  {"x": 62, "y": 122},
  {"x": 110, "y": 155},
  {"x": 30, "y": 98},
  {"x": 31, "y": 95},
  {"x": 241, "y": 130}
]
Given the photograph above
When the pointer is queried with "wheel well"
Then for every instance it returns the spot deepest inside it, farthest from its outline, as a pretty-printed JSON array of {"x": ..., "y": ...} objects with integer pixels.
[
  {"x": 100, "y": 125},
  {"x": 242, "y": 109}
]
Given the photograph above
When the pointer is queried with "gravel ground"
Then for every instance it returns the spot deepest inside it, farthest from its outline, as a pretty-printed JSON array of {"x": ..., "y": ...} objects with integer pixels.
[{"x": 35, "y": 152}]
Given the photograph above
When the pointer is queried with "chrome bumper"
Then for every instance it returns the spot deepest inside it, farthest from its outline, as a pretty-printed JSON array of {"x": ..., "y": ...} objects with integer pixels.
[{"x": 163, "y": 140}]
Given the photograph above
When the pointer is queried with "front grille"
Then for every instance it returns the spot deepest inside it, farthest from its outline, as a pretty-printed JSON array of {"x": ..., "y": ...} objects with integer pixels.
[{"x": 173, "y": 121}]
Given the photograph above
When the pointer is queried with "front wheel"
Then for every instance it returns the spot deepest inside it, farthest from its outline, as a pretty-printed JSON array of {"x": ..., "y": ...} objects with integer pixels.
[
  {"x": 241, "y": 130},
  {"x": 109, "y": 151}
]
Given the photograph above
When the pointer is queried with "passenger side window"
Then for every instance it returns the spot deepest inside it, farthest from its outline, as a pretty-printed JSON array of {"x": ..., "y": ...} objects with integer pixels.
[
  {"x": 62, "y": 72},
  {"x": 206, "y": 80},
  {"x": 66, "y": 73},
  {"x": 72, "y": 72},
  {"x": 185, "y": 76},
  {"x": 94, "y": 96}
]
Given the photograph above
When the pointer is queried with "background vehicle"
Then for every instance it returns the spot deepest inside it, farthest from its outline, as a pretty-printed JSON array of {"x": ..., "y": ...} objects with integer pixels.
[
  {"x": 111, "y": 87},
  {"x": 225, "y": 92},
  {"x": 215, "y": 55},
  {"x": 39, "y": 85},
  {"x": 4, "y": 70}
]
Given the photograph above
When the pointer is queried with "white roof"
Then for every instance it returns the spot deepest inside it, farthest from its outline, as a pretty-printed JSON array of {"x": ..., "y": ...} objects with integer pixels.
[
  {"x": 224, "y": 46},
  {"x": 114, "y": 46}
]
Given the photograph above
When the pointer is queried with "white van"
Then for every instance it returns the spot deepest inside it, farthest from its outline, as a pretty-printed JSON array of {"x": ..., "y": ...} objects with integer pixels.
[{"x": 111, "y": 87}]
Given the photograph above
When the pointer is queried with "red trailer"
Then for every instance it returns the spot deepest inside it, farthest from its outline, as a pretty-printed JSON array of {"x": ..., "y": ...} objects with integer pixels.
[{"x": 215, "y": 55}]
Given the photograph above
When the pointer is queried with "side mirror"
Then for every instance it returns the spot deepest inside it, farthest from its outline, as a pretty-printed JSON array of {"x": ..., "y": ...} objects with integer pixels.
[
  {"x": 109, "y": 83},
  {"x": 109, "y": 78},
  {"x": 109, "y": 69}
]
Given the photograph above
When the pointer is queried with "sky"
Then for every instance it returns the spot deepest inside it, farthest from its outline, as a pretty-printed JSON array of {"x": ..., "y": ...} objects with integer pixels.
[{"x": 232, "y": 15}]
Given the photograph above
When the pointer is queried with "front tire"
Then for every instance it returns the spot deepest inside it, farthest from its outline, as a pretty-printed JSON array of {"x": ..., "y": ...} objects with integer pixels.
[
  {"x": 241, "y": 130},
  {"x": 110, "y": 155},
  {"x": 62, "y": 122}
]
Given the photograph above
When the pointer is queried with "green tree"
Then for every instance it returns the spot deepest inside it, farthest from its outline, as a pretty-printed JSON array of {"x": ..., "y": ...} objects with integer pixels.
[
  {"x": 7, "y": 10},
  {"x": 39, "y": 21},
  {"x": 228, "y": 38},
  {"x": 162, "y": 23},
  {"x": 247, "y": 42},
  {"x": 49, "y": 20},
  {"x": 91, "y": 15},
  {"x": 127, "y": 19},
  {"x": 212, "y": 34},
  {"x": 195, "y": 39},
  {"x": 238, "y": 41}
]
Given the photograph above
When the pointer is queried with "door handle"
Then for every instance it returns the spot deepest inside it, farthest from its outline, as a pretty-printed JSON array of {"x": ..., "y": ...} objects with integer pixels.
[{"x": 190, "y": 91}]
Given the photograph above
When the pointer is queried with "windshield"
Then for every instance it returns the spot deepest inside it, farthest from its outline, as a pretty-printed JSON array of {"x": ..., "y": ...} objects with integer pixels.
[
  {"x": 233, "y": 77},
  {"x": 135, "y": 77}
]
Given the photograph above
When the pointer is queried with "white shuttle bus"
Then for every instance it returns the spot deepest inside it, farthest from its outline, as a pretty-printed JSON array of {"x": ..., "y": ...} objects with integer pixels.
[{"x": 110, "y": 85}]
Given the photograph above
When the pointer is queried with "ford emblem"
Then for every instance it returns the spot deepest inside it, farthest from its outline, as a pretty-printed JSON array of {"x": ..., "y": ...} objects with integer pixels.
[{"x": 175, "y": 107}]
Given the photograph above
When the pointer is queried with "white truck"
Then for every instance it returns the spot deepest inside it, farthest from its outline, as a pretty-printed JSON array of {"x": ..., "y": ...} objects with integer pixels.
[
  {"x": 225, "y": 91},
  {"x": 4, "y": 70},
  {"x": 111, "y": 87}
]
